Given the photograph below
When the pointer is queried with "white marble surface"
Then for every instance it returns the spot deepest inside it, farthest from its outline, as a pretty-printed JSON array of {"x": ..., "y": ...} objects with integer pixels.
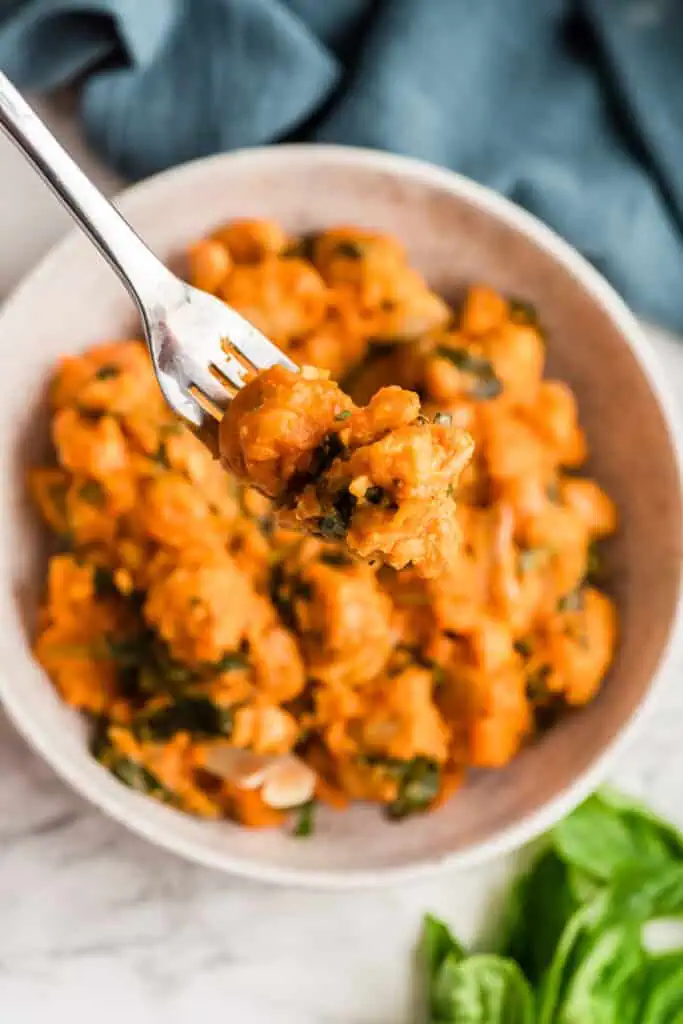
[{"x": 97, "y": 925}]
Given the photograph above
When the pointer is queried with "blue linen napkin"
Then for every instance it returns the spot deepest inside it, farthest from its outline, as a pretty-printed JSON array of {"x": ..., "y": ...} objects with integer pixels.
[{"x": 573, "y": 108}]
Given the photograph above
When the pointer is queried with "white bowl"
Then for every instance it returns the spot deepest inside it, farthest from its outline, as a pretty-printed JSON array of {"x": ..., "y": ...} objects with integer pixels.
[{"x": 456, "y": 232}]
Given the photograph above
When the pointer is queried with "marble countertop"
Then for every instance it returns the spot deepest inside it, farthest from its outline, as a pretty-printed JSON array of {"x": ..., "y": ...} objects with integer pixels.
[{"x": 98, "y": 925}]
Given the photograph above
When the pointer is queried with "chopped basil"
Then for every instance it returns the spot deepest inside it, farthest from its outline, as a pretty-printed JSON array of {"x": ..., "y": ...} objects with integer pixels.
[
  {"x": 331, "y": 526},
  {"x": 301, "y": 589},
  {"x": 90, "y": 415},
  {"x": 198, "y": 716},
  {"x": 594, "y": 567},
  {"x": 335, "y": 558},
  {"x": 343, "y": 415},
  {"x": 537, "y": 684},
  {"x": 529, "y": 559},
  {"x": 329, "y": 449},
  {"x": 524, "y": 647},
  {"x": 140, "y": 778},
  {"x": 127, "y": 771},
  {"x": 523, "y": 312},
  {"x": 301, "y": 248},
  {"x": 130, "y": 650},
  {"x": 438, "y": 676},
  {"x": 349, "y": 250},
  {"x": 161, "y": 455},
  {"x": 571, "y": 602},
  {"x": 375, "y": 495},
  {"x": 104, "y": 582},
  {"x": 108, "y": 371},
  {"x": 281, "y": 596},
  {"x": 305, "y": 824},
  {"x": 230, "y": 662},
  {"x": 344, "y": 505},
  {"x": 553, "y": 492},
  {"x": 380, "y": 347},
  {"x": 57, "y": 495},
  {"x": 93, "y": 492},
  {"x": 486, "y": 384},
  {"x": 419, "y": 781}
]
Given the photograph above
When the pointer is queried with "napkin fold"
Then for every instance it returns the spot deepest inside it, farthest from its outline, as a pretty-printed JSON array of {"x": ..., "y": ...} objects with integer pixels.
[{"x": 573, "y": 108}]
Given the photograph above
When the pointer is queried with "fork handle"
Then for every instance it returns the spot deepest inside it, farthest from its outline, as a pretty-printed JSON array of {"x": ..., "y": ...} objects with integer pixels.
[{"x": 138, "y": 268}]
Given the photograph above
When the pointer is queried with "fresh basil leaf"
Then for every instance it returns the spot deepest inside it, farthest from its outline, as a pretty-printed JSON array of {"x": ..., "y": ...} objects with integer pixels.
[
  {"x": 436, "y": 943},
  {"x": 599, "y": 965},
  {"x": 541, "y": 904},
  {"x": 662, "y": 1001},
  {"x": 606, "y": 982},
  {"x": 564, "y": 957},
  {"x": 645, "y": 892},
  {"x": 605, "y": 834},
  {"x": 482, "y": 989}
]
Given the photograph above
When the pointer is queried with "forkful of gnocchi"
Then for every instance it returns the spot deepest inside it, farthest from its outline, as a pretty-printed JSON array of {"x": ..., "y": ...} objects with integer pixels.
[{"x": 381, "y": 478}]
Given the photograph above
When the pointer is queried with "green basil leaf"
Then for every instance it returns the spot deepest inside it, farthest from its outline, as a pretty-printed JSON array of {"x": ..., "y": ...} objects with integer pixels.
[
  {"x": 662, "y": 1001},
  {"x": 599, "y": 966},
  {"x": 645, "y": 892},
  {"x": 436, "y": 943},
  {"x": 541, "y": 904},
  {"x": 607, "y": 979},
  {"x": 482, "y": 989},
  {"x": 564, "y": 958},
  {"x": 607, "y": 833}
]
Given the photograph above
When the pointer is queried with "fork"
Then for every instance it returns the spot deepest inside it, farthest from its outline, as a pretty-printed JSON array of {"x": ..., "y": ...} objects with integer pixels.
[{"x": 202, "y": 350}]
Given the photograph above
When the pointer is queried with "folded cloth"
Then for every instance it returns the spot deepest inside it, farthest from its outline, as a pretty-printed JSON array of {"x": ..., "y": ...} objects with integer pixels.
[{"x": 570, "y": 107}]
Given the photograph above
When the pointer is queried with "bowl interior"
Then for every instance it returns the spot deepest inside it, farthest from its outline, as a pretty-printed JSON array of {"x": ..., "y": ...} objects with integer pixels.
[{"x": 455, "y": 235}]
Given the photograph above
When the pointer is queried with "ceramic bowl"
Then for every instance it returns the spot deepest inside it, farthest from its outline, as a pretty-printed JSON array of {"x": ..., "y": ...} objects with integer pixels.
[{"x": 456, "y": 232}]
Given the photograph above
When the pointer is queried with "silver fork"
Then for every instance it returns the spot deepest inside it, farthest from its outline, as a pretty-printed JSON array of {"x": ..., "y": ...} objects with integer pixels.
[{"x": 202, "y": 349}]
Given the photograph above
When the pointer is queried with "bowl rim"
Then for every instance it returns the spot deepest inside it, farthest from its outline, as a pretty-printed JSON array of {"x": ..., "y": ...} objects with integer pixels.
[{"x": 531, "y": 825}]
